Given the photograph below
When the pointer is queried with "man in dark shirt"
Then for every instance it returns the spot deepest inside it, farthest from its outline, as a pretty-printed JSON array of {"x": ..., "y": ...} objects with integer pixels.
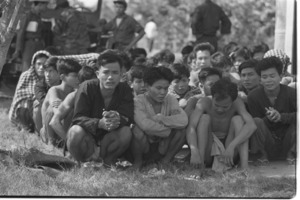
[
  {"x": 205, "y": 22},
  {"x": 102, "y": 114},
  {"x": 273, "y": 107},
  {"x": 123, "y": 28}
]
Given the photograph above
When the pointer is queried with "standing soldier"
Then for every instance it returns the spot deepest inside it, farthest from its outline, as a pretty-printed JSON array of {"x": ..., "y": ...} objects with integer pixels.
[
  {"x": 123, "y": 28},
  {"x": 206, "y": 21},
  {"x": 29, "y": 37},
  {"x": 70, "y": 30}
]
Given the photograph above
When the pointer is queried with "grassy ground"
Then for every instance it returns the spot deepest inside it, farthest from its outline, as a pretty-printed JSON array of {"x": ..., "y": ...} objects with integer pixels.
[{"x": 177, "y": 182}]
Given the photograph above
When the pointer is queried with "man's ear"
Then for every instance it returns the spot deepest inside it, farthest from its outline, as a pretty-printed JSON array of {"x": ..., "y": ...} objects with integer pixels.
[{"x": 62, "y": 76}]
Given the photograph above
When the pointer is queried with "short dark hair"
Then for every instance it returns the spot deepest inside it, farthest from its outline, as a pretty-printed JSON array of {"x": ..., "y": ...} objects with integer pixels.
[
  {"x": 241, "y": 52},
  {"x": 109, "y": 56},
  {"x": 139, "y": 61},
  {"x": 220, "y": 60},
  {"x": 127, "y": 63},
  {"x": 165, "y": 55},
  {"x": 224, "y": 88},
  {"x": 51, "y": 62},
  {"x": 187, "y": 49},
  {"x": 154, "y": 74},
  {"x": 229, "y": 48},
  {"x": 179, "y": 71},
  {"x": 252, "y": 63},
  {"x": 205, "y": 46},
  {"x": 135, "y": 53},
  {"x": 263, "y": 47},
  {"x": 136, "y": 71},
  {"x": 208, "y": 71},
  {"x": 270, "y": 62},
  {"x": 66, "y": 66},
  {"x": 86, "y": 73}
]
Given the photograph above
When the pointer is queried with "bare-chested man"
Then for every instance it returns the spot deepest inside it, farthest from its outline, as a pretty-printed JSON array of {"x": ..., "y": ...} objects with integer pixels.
[
  {"x": 223, "y": 115},
  {"x": 68, "y": 70},
  {"x": 61, "y": 119}
]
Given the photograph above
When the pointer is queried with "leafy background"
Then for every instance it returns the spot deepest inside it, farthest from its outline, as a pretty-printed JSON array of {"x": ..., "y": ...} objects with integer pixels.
[{"x": 253, "y": 21}]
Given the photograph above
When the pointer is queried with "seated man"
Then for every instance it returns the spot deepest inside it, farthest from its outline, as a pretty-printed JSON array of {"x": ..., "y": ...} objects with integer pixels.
[
  {"x": 179, "y": 87},
  {"x": 68, "y": 70},
  {"x": 224, "y": 118},
  {"x": 202, "y": 55},
  {"x": 159, "y": 120},
  {"x": 207, "y": 78},
  {"x": 221, "y": 62},
  {"x": 102, "y": 114},
  {"x": 62, "y": 117},
  {"x": 249, "y": 78},
  {"x": 21, "y": 110},
  {"x": 41, "y": 88},
  {"x": 135, "y": 77},
  {"x": 274, "y": 108}
]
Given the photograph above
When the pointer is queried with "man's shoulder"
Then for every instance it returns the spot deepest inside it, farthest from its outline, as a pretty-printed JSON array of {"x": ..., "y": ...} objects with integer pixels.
[
  {"x": 287, "y": 89},
  {"x": 256, "y": 92}
]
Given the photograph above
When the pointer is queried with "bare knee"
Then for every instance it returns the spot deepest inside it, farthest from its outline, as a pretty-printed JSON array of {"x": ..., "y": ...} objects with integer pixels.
[
  {"x": 79, "y": 143},
  {"x": 137, "y": 133},
  {"x": 125, "y": 135}
]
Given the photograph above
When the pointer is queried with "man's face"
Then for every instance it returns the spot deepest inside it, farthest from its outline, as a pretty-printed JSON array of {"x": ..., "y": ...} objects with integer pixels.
[
  {"x": 51, "y": 76},
  {"x": 71, "y": 79},
  {"x": 38, "y": 66},
  {"x": 226, "y": 71},
  {"x": 181, "y": 85},
  {"x": 109, "y": 75},
  {"x": 237, "y": 62},
  {"x": 249, "y": 78},
  {"x": 270, "y": 79},
  {"x": 120, "y": 9},
  {"x": 158, "y": 90},
  {"x": 138, "y": 86},
  {"x": 203, "y": 59},
  {"x": 209, "y": 82},
  {"x": 221, "y": 106}
]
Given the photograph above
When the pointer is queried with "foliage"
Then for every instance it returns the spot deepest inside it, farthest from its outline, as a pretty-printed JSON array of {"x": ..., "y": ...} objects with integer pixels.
[{"x": 253, "y": 21}]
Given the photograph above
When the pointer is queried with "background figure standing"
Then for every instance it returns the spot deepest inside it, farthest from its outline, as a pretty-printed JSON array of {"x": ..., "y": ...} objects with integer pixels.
[
  {"x": 206, "y": 20},
  {"x": 29, "y": 36},
  {"x": 123, "y": 28},
  {"x": 70, "y": 31},
  {"x": 151, "y": 33}
]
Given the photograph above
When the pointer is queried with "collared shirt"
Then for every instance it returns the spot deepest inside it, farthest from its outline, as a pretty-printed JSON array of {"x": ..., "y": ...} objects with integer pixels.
[
  {"x": 125, "y": 32},
  {"x": 206, "y": 20},
  {"x": 89, "y": 105},
  {"x": 285, "y": 104}
]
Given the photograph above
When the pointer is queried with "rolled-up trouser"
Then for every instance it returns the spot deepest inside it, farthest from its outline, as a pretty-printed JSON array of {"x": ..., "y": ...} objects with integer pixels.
[{"x": 263, "y": 139}]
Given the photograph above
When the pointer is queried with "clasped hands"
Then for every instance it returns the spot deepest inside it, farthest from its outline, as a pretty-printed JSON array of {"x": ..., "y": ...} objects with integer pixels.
[
  {"x": 110, "y": 120},
  {"x": 273, "y": 115}
]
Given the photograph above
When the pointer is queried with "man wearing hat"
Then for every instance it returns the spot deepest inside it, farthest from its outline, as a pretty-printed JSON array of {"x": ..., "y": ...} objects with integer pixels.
[
  {"x": 29, "y": 37},
  {"x": 123, "y": 28}
]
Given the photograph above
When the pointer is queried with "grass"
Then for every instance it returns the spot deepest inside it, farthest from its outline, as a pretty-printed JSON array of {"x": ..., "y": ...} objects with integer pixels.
[{"x": 19, "y": 180}]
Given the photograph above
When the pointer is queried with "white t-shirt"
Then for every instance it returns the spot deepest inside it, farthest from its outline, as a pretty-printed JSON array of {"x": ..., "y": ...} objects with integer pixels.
[{"x": 151, "y": 30}]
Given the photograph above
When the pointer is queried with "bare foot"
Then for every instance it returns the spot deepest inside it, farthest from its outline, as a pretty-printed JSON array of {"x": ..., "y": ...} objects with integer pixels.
[{"x": 196, "y": 160}]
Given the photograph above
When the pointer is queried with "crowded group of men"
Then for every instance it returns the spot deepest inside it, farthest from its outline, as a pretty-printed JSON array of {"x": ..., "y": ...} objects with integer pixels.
[{"x": 224, "y": 105}]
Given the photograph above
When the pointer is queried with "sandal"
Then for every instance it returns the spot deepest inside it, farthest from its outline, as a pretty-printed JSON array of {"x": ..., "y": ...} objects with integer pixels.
[{"x": 262, "y": 162}]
